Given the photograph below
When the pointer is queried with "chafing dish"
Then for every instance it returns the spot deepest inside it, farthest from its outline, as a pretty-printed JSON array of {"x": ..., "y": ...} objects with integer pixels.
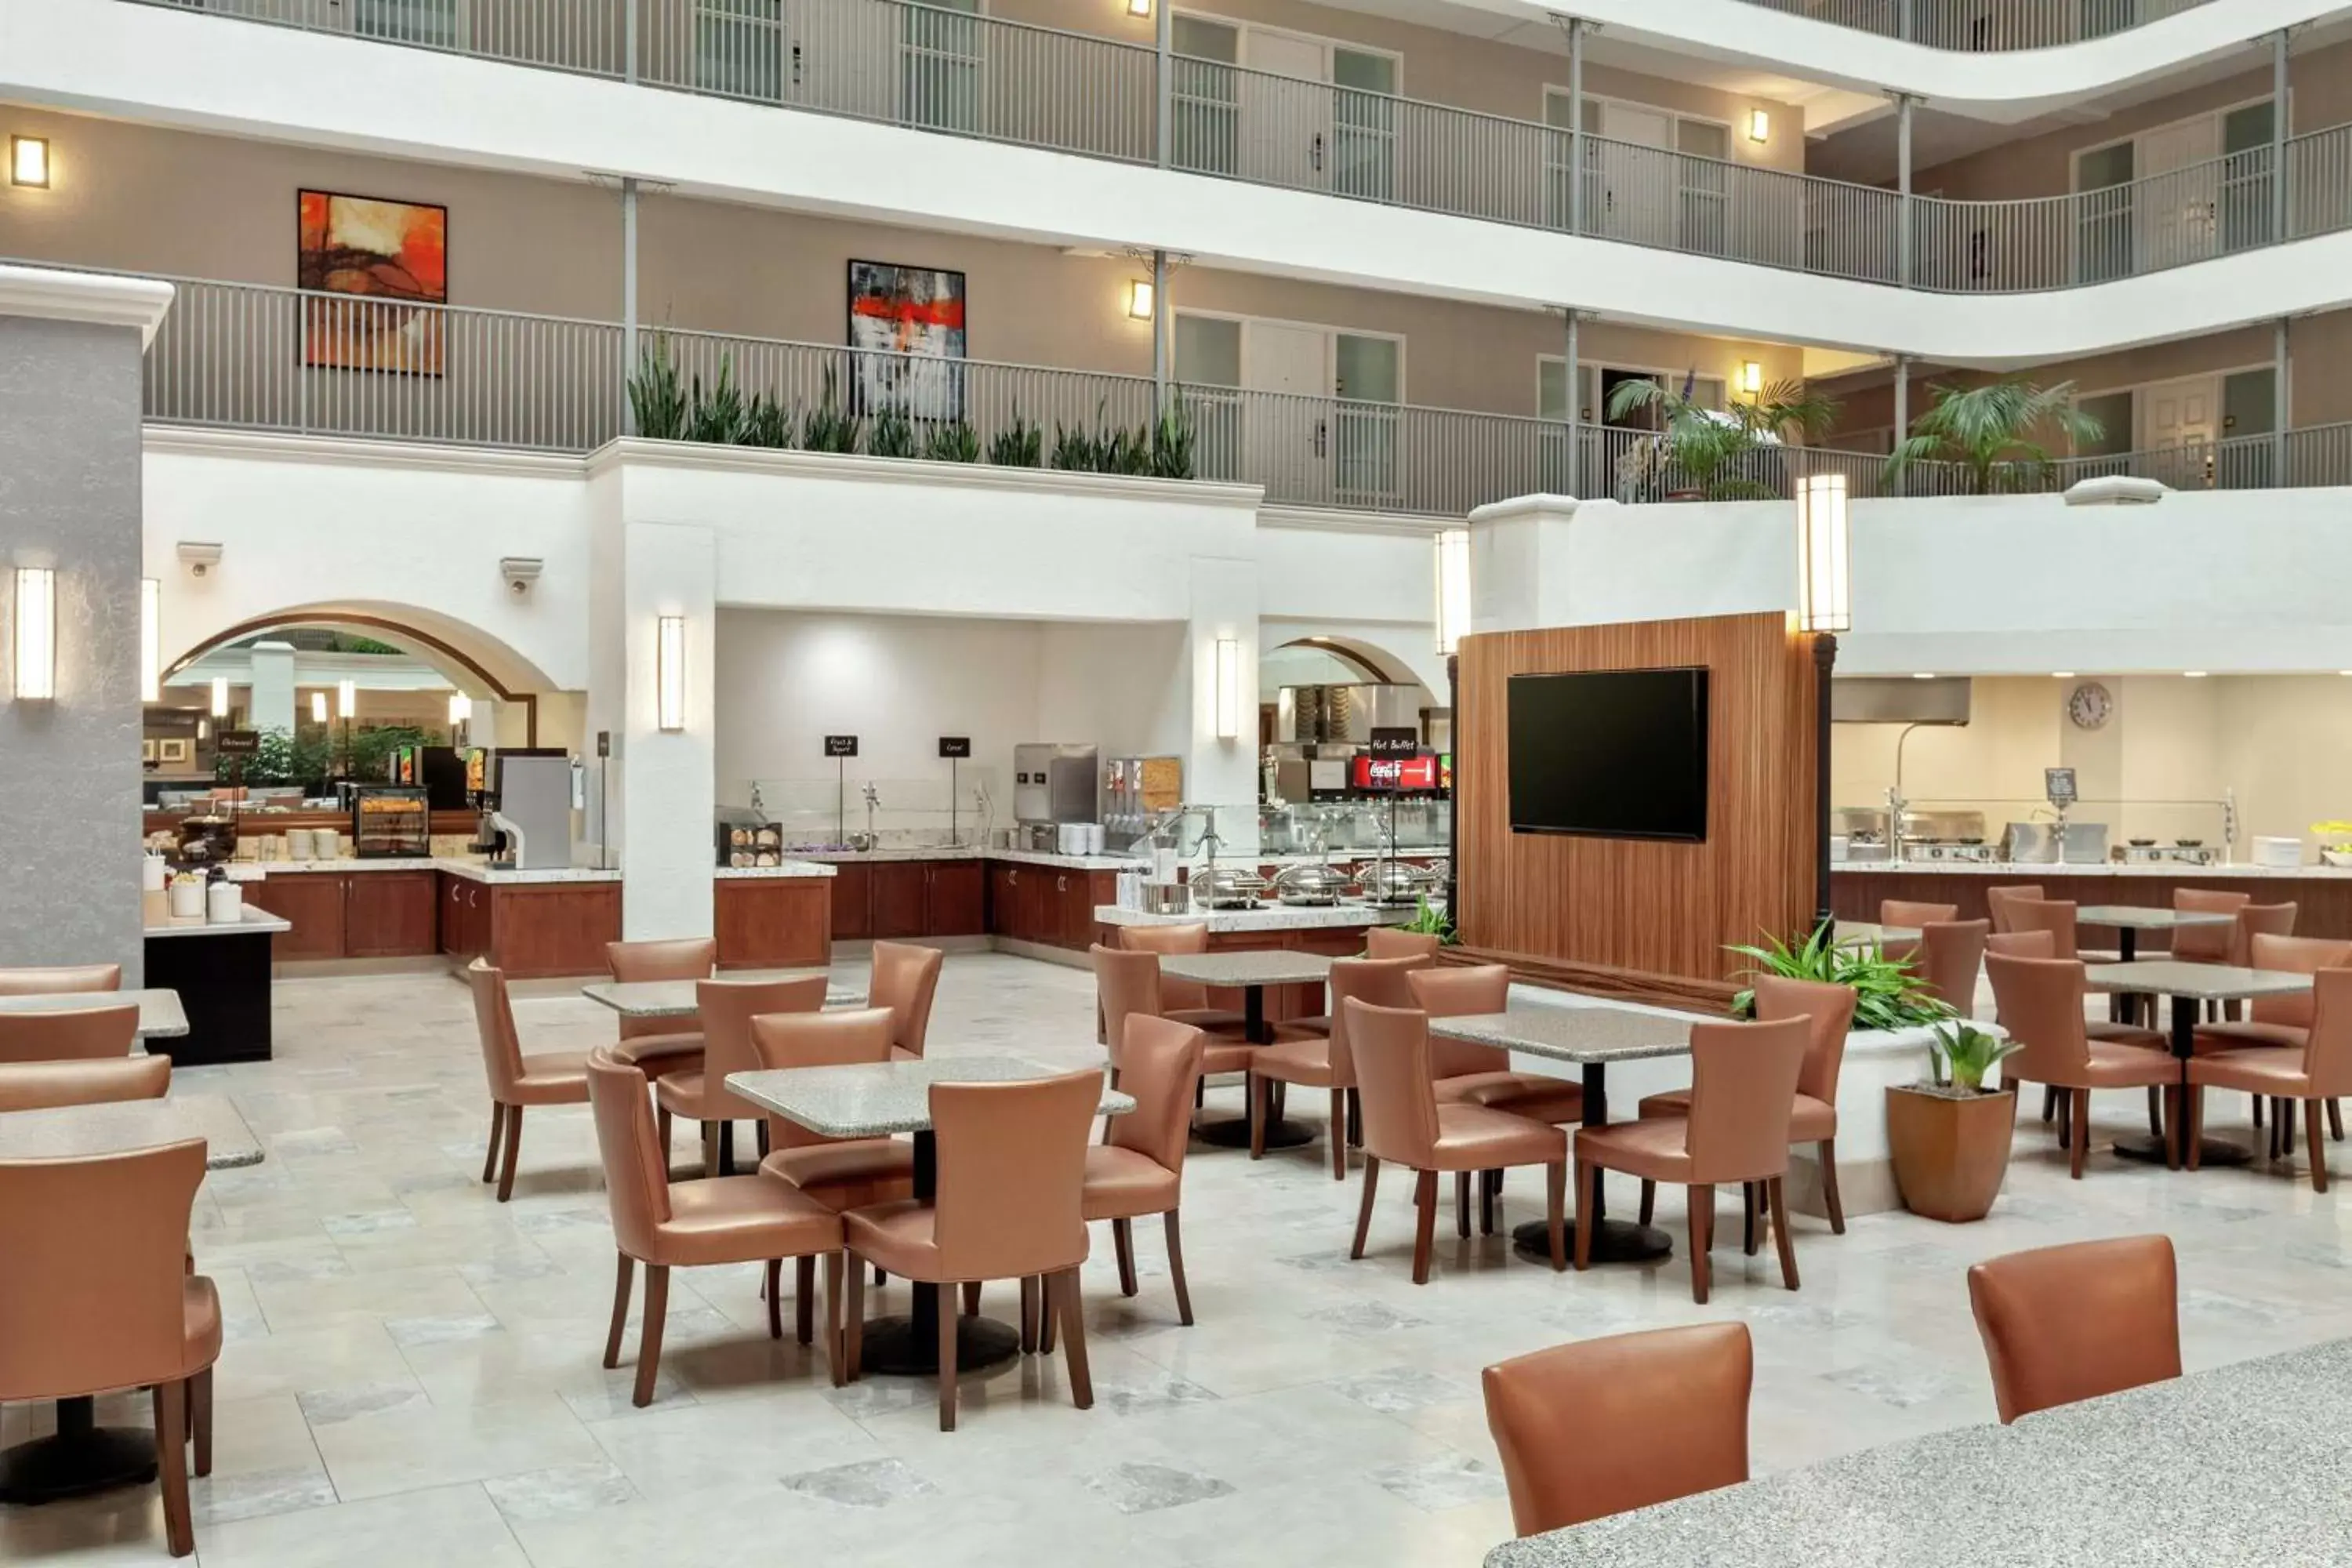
[
  {"x": 1228, "y": 887},
  {"x": 1310, "y": 884},
  {"x": 1395, "y": 881}
]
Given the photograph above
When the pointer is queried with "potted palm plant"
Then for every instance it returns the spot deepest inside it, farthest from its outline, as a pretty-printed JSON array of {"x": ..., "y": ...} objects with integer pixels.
[
  {"x": 1990, "y": 433},
  {"x": 1710, "y": 453},
  {"x": 1948, "y": 1138}
]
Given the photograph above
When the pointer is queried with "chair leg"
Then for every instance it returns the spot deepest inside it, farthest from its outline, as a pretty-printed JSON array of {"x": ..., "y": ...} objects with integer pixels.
[
  {"x": 711, "y": 1167},
  {"x": 771, "y": 1290},
  {"x": 1747, "y": 1237},
  {"x": 2284, "y": 1111},
  {"x": 727, "y": 1148},
  {"x": 1338, "y": 1134},
  {"x": 514, "y": 1146},
  {"x": 2079, "y": 1119},
  {"x": 1649, "y": 1200},
  {"x": 1028, "y": 1314},
  {"x": 1049, "y": 1309},
  {"x": 1074, "y": 1337},
  {"x": 1486, "y": 1195},
  {"x": 1776, "y": 1189},
  {"x": 1556, "y": 1213},
  {"x": 200, "y": 1417},
  {"x": 1256, "y": 1088},
  {"x": 971, "y": 1297},
  {"x": 1364, "y": 1209},
  {"x": 2336, "y": 1119},
  {"x": 2257, "y": 1111},
  {"x": 1355, "y": 1119},
  {"x": 620, "y": 1310},
  {"x": 2314, "y": 1147},
  {"x": 171, "y": 1464},
  {"x": 663, "y": 1122},
  {"x": 649, "y": 1333},
  {"x": 1122, "y": 1241},
  {"x": 2192, "y": 1117},
  {"x": 2049, "y": 1103},
  {"x": 1176, "y": 1265},
  {"x": 947, "y": 1354},
  {"x": 805, "y": 1299},
  {"x": 1826, "y": 1152},
  {"x": 1588, "y": 1190},
  {"x": 497, "y": 1126},
  {"x": 1462, "y": 1203},
  {"x": 2155, "y": 1111},
  {"x": 1425, "y": 1224},
  {"x": 1702, "y": 1242},
  {"x": 832, "y": 1314},
  {"x": 852, "y": 1322}
]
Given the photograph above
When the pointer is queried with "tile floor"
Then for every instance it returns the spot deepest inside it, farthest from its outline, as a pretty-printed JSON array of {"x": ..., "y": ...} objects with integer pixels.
[{"x": 411, "y": 1373}]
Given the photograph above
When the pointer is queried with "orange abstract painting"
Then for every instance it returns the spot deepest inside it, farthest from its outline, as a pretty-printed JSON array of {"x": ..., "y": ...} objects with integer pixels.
[{"x": 388, "y": 264}]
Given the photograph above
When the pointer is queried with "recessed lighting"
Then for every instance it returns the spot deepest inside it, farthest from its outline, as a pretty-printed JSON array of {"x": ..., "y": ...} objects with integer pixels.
[
  {"x": 2344, "y": 672},
  {"x": 2061, "y": 675},
  {"x": 1923, "y": 675},
  {"x": 2193, "y": 674}
]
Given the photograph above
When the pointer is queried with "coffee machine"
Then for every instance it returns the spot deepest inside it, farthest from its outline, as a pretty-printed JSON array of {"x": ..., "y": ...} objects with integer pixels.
[{"x": 526, "y": 807}]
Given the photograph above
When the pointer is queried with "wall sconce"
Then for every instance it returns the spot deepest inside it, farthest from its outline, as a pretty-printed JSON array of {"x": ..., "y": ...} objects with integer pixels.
[
  {"x": 36, "y": 635},
  {"x": 1824, "y": 561},
  {"x": 1229, "y": 689},
  {"x": 461, "y": 708},
  {"x": 1751, "y": 377},
  {"x": 669, "y": 673},
  {"x": 1139, "y": 298},
  {"x": 150, "y": 639},
  {"x": 220, "y": 696},
  {"x": 28, "y": 160},
  {"x": 1139, "y": 7},
  {"x": 347, "y": 698},
  {"x": 1760, "y": 125},
  {"x": 1452, "y": 615},
  {"x": 318, "y": 708}
]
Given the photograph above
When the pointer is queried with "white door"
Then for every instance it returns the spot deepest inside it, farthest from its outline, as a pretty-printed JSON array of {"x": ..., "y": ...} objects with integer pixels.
[
  {"x": 842, "y": 62},
  {"x": 1288, "y": 431},
  {"x": 2177, "y": 422},
  {"x": 2179, "y": 186},
  {"x": 1632, "y": 194},
  {"x": 1286, "y": 110}
]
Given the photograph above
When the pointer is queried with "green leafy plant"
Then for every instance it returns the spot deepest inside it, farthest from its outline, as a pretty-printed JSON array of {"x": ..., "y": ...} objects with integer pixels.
[
  {"x": 766, "y": 422},
  {"x": 1172, "y": 440},
  {"x": 829, "y": 428},
  {"x": 1721, "y": 454},
  {"x": 1989, "y": 433},
  {"x": 1959, "y": 1055},
  {"x": 1124, "y": 451},
  {"x": 893, "y": 434},
  {"x": 1428, "y": 919},
  {"x": 1888, "y": 993},
  {"x": 719, "y": 417},
  {"x": 951, "y": 441},
  {"x": 372, "y": 749},
  {"x": 1075, "y": 450},
  {"x": 1019, "y": 445},
  {"x": 657, "y": 403},
  {"x": 285, "y": 757}
]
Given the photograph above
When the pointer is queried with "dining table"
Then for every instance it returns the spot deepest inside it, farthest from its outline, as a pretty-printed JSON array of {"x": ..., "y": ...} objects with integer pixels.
[
  {"x": 1872, "y": 933},
  {"x": 1250, "y": 972},
  {"x": 2189, "y": 985},
  {"x": 2225, "y": 1467},
  {"x": 676, "y": 998},
  {"x": 882, "y": 1100},
  {"x": 1594, "y": 1038},
  {"x": 2127, "y": 920},
  {"x": 82, "y": 1457}
]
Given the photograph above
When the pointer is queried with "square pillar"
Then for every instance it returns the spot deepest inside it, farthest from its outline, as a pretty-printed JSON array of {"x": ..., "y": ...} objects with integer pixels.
[{"x": 271, "y": 706}]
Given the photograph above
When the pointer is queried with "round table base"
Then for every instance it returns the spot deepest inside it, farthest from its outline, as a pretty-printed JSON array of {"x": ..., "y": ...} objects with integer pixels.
[
  {"x": 894, "y": 1348},
  {"x": 1235, "y": 1133},
  {"x": 2149, "y": 1150},
  {"x": 1617, "y": 1241},
  {"x": 77, "y": 1460}
]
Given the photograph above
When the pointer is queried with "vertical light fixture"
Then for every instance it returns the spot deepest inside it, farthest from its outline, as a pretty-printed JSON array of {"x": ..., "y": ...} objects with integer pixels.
[
  {"x": 318, "y": 708},
  {"x": 1139, "y": 7},
  {"x": 150, "y": 640},
  {"x": 1452, "y": 614},
  {"x": 1760, "y": 125},
  {"x": 28, "y": 160},
  {"x": 1139, "y": 298},
  {"x": 220, "y": 696},
  {"x": 1824, "y": 608},
  {"x": 36, "y": 634},
  {"x": 461, "y": 708},
  {"x": 1751, "y": 377},
  {"x": 1229, "y": 689},
  {"x": 347, "y": 698},
  {"x": 669, "y": 673}
]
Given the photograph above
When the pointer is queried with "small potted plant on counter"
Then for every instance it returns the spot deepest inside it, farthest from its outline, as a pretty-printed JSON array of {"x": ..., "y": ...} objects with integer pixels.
[
  {"x": 1950, "y": 1138},
  {"x": 2336, "y": 847}
]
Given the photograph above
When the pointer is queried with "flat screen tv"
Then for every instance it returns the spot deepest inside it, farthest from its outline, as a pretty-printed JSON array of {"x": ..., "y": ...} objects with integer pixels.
[{"x": 1614, "y": 754}]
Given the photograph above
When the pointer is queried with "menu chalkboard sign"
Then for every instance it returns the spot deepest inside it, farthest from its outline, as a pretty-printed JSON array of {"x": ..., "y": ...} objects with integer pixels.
[
  {"x": 1395, "y": 743},
  {"x": 841, "y": 745},
  {"x": 237, "y": 742},
  {"x": 955, "y": 745}
]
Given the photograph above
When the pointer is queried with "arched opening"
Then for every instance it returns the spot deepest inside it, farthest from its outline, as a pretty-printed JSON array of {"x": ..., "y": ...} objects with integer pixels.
[{"x": 1322, "y": 696}]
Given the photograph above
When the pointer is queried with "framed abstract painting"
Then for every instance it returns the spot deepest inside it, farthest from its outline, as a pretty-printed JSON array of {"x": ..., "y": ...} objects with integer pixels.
[
  {"x": 372, "y": 270},
  {"x": 906, "y": 327}
]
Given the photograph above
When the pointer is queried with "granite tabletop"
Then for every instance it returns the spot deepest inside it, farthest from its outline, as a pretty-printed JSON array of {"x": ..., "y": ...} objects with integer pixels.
[
  {"x": 252, "y": 920},
  {"x": 1274, "y": 917},
  {"x": 675, "y": 998},
  {"x": 2225, "y": 1469},
  {"x": 160, "y": 1013},
  {"x": 80, "y": 1132},
  {"x": 1229, "y": 970},
  {"x": 872, "y": 1099},
  {"x": 2205, "y": 981},
  {"x": 1863, "y": 934},
  {"x": 2146, "y": 917},
  {"x": 1587, "y": 1034}
]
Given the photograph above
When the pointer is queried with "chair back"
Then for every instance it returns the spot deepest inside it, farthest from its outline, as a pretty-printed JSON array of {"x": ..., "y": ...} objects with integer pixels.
[
  {"x": 2207, "y": 944},
  {"x": 2039, "y": 1002},
  {"x": 1609, "y": 1424},
  {"x": 1193, "y": 936},
  {"x": 1392, "y": 1080},
  {"x": 1125, "y": 983},
  {"x": 1997, "y": 901},
  {"x": 1743, "y": 1089},
  {"x": 678, "y": 958},
  {"x": 1463, "y": 991},
  {"x": 1828, "y": 1010},
  {"x": 494, "y": 1022},
  {"x": 1908, "y": 913},
  {"x": 1386, "y": 942},
  {"x": 2055, "y": 916},
  {"x": 2327, "y": 1053},
  {"x": 69, "y": 1033},
  {"x": 841, "y": 1037},
  {"x": 96, "y": 1254},
  {"x": 37, "y": 1085},
  {"x": 726, "y": 1008},
  {"x": 59, "y": 979},
  {"x": 1012, "y": 1175},
  {"x": 2294, "y": 955},
  {"x": 905, "y": 978},
  {"x": 1382, "y": 982},
  {"x": 1952, "y": 955},
  {"x": 2066, "y": 1324},
  {"x": 636, "y": 1176},
  {"x": 1160, "y": 1063},
  {"x": 2259, "y": 920},
  {"x": 2021, "y": 944}
]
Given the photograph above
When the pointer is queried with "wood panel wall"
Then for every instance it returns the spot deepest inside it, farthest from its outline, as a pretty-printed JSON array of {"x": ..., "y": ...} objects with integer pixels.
[{"x": 1639, "y": 917}]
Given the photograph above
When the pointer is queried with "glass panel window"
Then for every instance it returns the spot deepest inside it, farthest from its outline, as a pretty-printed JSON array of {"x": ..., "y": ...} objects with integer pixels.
[
  {"x": 1702, "y": 140},
  {"x": 1364, "y": 72},
  {"x": 2112, "y": 410},
  {"x": 1203, "y": 39},
  {"x": 2249, "y": 402},
  {"x": 2246, "y": 127},
  {"x": 2103, "y": 166},
  {"x": 1551, "y": 389},
  {"x": 1208, "y": 350},
  {"x": 1369, "y": 369}
]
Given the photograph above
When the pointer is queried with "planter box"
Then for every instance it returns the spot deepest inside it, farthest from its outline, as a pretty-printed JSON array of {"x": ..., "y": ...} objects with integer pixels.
[{"x": 1949, "y": 1155}]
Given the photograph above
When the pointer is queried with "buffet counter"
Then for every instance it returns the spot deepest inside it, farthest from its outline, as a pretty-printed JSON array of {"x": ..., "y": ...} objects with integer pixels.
[
  {"x": 1272, "y": 917},
  {"x": 221, "y": 971},
  {"x": 2322, "y": 894}
]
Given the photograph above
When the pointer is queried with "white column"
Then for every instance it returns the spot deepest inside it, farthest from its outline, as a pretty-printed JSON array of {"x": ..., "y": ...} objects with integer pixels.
[
  {"x": 1903, "y": 102},
  {"x": 1218, "y": 771},
  {"x": 271, "y": 706}
]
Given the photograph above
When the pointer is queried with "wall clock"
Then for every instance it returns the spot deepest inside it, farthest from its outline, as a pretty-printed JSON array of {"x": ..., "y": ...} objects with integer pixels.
[{"x": 2090, "y": 706}]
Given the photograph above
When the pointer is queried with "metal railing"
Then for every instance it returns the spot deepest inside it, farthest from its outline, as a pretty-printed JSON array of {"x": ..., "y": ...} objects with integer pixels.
[
  {"x": 963, "y": 74},
  {"x": 1983, "y": 27}
]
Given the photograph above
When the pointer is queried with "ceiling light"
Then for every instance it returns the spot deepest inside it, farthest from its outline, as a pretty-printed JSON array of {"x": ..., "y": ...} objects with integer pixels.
[
  {"x": 28, "y": 160},
  {"x": 2193, "y": 674},
  {"x": 1923, "y": 675},
  {"x": 2061, "y": 675}
]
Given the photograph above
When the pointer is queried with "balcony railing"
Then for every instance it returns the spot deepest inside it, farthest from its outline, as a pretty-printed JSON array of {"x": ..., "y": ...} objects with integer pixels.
[
  {"x": 254, "y": 356},
  {"x": 962, "y": 74},
  {"x": 1985, "y": 26}
]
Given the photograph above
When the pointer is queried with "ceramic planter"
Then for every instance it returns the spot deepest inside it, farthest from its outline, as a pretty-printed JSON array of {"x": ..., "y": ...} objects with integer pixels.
[{"x": 1949, "y": 1153}]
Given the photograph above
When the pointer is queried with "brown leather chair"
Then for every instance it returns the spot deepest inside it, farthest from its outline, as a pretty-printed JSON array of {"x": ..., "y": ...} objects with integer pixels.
[
  {"x": 543, "y": 1078},
  {"x": 2259, "y": 920},
  {"x": 688, "y": 1225},
  {"x": 1137, "y": 1169},
  {"x": 1186, "y": 1001},
  {"x": 2316, "y": 1072},
  {"x": 1908, "y": 913},
  {"x": 2066, "y": 1324},
  {"x": 1951, "y": 956},
  {"x": 1828, "y": 1010},
  {"x": 1321, "y": 1061},
  {"x": 37, "y": 1085},
  {"x": 905, "y": 979},
  {"x": 2040, "y": 1001},
  {"x": 2055, "y": 916},
  {"x": 1607, "y": 1426},
  {"x": 1012, "y": 1172},
  {"x": 2021, "y": 943},
  {"x": 2279, "y": 1020},
  {"x": 2207, "y": 944},
  {"x": 59, "y": 979},
  {"x": 1997, "y": 901},
  {"x": 658, "y": 1044},
  {"x": 1405, "y": 1125},
  {"x": 85, "y": 1317},
  {"x": 75, "y": 1033},
  {"x": 842, "y": 1173},
  {"x": 1744, "y": 1081},
  {"x": 726, "y": 1008},
  {"x": 1379, "y": 942},
  {"x": 1471, "y": 1074},
  {"x": 1127, "y": 982}
]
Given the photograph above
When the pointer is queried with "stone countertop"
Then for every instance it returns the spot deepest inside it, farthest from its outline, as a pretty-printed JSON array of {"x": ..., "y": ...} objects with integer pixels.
[
  {"x": 1226, "y": 970},
  {"x": 160, "y": 1013},
  {"x": 472, "y": 871},
  {"x": 2226, "y": 1468},
  {"x": 1589, "y": 1036},
  {"x": 2035, "y": 870},
  {"x": 873, "y": 1099},
  {"x": 251, "y": 922},
  {"x": 84, "y": 1131},
  {"x": 1274, "y": 917},
  {"x": 768, "y": 873},
  {"x": 971, "y": 852}
]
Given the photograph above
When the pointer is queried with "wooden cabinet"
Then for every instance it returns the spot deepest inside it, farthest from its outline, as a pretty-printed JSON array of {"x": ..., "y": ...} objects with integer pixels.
[
  {"x": 313, "y": 902},
  {"x": 773, "y": 922},
  {"x": 955, "y": 900},
  {"x": 390, "y": 914},
  {"x": 536, "y": 930},
  {"x": 853, "y": 902},
  {"x": 901, "y": 890},
  {"x": 464, "y": 917}
]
